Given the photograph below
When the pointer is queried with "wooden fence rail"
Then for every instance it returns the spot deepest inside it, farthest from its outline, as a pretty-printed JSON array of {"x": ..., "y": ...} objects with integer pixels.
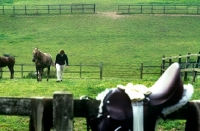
[
  {"x": 93, "y": 71},
  {"x": 47, "y": 9},
  {"x": 159, "y": 9},
  {"x": 60, "y": 110},
  {"x": 103, "y": 71}
]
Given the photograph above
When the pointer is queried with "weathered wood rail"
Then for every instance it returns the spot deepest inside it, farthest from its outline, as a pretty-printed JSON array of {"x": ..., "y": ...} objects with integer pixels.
[{"x": 58, "y": 111}]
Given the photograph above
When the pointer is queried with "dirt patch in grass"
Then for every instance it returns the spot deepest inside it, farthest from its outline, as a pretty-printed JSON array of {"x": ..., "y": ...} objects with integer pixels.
[
  {"x": 116, "y": 15},
  {"x": 113, "y": 15}
]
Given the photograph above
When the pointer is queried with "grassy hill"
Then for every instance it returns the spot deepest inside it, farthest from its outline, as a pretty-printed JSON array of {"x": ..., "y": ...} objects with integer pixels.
[{"x": 101, "y": 37}]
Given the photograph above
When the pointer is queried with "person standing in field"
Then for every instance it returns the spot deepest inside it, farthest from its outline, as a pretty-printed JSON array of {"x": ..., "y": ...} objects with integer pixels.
[{"x": 61, "y": 62}]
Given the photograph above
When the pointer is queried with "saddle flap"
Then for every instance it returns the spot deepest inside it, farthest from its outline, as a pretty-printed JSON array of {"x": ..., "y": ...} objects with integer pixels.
[
  {"x": 168, "y": 88},
  {"x": 118, "y": 105}
]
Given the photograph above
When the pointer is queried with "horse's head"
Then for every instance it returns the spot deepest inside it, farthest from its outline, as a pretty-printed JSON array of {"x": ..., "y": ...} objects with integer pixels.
[{"x": 36, "y": 53}]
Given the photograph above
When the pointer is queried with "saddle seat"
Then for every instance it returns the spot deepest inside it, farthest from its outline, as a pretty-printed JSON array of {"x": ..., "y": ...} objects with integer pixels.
[{"x": 168, "y": 89}]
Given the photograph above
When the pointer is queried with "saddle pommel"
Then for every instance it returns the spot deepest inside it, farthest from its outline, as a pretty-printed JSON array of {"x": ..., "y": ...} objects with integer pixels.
[{"x": 168, "y": 88}]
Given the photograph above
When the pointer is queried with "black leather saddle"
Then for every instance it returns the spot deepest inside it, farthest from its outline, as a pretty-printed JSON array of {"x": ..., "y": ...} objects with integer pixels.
[{"x": 118, "y": 112}]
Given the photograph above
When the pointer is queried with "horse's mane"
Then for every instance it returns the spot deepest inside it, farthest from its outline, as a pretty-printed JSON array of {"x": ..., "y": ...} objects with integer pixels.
[{"x": 39, "y": 51}]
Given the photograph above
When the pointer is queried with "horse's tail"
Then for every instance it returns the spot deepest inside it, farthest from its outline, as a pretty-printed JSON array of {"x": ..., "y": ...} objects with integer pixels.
[{"x": 52, "y": 63}]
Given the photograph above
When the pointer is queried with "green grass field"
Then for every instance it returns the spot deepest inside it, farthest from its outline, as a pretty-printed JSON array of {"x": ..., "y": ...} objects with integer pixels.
[
  {"x": 101, "y": 37},
  {"x": 93, "y": 38}
]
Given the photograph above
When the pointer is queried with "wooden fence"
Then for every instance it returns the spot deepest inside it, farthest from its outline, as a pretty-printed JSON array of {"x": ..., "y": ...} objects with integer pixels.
[
  {"x": 91, "y": 8},
  {"x": 51, "y": 109},
  {"x": 189, "y": 67},
  {"x": 93, "y": 71},
  {"x": 159, "y": 9},
  {"x": 47, "y": 9},
  {"x": 189, "y": 63},
  {"x": 60, "y": 110}
]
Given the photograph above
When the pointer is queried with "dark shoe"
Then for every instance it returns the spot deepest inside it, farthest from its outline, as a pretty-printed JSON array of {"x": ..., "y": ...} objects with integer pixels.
[
  {"x": 61, "y": 80},
  {"x": 57, "y": 81}
]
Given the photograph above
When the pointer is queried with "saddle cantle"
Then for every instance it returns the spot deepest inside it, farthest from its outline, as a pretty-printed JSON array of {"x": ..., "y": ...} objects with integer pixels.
[
  {"x": 168, "y": 89},
  {"x": 118, "y": 112}
]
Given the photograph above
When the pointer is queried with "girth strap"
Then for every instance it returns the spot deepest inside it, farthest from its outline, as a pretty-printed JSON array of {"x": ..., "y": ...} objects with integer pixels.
[{"x": 138, "y": 114}]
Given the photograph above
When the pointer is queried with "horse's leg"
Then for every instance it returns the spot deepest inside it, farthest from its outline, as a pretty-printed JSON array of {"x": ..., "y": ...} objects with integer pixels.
[
  {"x": 48, "y": 71},
  {"x": 42, "y": 70},
  {"x": 40, "y": 74},
  {"x": 11, "y": 68},
  {"x": 37, "y": 71}
]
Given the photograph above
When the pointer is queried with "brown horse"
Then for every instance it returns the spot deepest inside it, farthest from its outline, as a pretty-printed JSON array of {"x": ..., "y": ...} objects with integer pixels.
[
  {"x": 42, "y": 60},
  {"x": 9, "y": 61}
]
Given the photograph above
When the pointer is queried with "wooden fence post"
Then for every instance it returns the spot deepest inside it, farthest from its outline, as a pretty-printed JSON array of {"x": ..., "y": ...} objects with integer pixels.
[
  {"x": 1, "y": 72},
  {"x": 82, "y": 8},
  {"x": 170, "y": 61},
  {"x": 186, "y": 66},
  {"x": 37, "y": 108},
  {"x": 129, "y": 8},
  {"x": 141, "y": 70},
  {"x": 101, "y": 70},
  {"x": 25, "y": 9},
  {"x": 196, "y": 66},
  {"x": 179, "y": 59},
  {"x": 80, "y": 70},
  {"x": 60, "y": 9},
  {"x": 164, "y": 9},
  {"x": 3, "y": 9},
  {"x": 48, "y": 9},
  {"x": 37, "y": 11},
  {"x": 163, "y": 64},
  {"x": 22, "y": 70},
  {"x": 63, "y": 107},
  {"x": 13, "y": 9}
]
